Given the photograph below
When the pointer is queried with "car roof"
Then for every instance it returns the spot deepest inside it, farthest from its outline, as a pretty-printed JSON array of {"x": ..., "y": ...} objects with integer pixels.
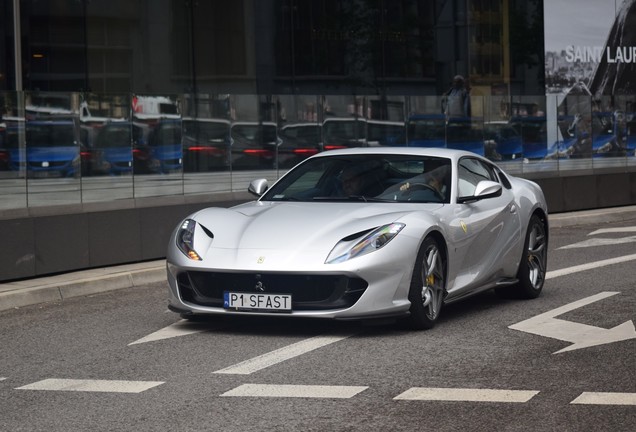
[{"x": 412, "y": 151}]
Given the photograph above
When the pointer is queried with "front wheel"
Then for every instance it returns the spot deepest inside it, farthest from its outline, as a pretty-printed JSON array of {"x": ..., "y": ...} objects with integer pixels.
[{"x": 428, "y": 285}]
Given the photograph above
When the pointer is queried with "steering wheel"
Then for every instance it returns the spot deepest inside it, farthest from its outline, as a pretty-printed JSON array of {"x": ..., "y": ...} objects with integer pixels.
[{"x": 420, "y": 186}]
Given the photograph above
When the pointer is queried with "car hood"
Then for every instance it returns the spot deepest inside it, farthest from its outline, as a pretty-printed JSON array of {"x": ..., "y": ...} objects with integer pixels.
[{"x": 298, "y": 226}]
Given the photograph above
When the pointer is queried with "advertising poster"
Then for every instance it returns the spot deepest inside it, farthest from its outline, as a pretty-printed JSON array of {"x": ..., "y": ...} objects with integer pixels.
[
  {"x": 590, "y": 55},
  {"x": 591, "y": 43}
]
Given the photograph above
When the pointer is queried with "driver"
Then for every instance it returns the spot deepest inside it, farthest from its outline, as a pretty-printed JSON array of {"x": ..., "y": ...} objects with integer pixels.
[{"x": 351, "y": 181}]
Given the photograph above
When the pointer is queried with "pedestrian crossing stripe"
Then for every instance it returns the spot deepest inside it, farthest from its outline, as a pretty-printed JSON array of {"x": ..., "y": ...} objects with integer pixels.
[
  {"x": 467, "y": 395},
  {"x": 600, "y": 398},
  {"x": 295, "y": 391},
  {"x": 107, "y": 386}
]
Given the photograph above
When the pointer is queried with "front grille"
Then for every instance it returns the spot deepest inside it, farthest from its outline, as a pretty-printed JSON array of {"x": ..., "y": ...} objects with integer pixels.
[
  {"x": 50, "y": 164},
  {"x": 309, "y": 292}
]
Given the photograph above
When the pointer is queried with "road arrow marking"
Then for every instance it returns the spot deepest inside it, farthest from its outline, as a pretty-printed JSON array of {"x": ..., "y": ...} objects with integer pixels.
[
  {"x": 613, "y": 230},
  {"x": 605, "y": 241},
  {"x": 580, "y": 335}
]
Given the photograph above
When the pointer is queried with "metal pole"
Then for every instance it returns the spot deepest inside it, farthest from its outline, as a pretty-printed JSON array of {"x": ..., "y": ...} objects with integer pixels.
[{"x": 17, "y": 45}]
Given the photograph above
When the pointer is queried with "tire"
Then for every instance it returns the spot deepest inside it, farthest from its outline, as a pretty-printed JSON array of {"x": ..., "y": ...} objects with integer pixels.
[
  {"x": 428, "y": 286},
  {"x": 533, "y": 265}
]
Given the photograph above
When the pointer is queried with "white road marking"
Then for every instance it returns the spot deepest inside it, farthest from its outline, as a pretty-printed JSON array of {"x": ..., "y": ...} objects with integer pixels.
[
  {"x": 605, "y": 241},
  {"x": 600, "y": 242},
  {"x": 613, "y": 230},
  {"x": 180, "y": 328},
  {"x": 2, "y": 378},
  {"x": 467, "y": 395},
  {"x": 589, "y": 266},
  {"x": 295, "y": 391},
  {"x": 108, "y": 386},
  {"x": 277, "y": 356},
  {"x": 594, "y": 398},
  {"x": 581, "y": 335}
]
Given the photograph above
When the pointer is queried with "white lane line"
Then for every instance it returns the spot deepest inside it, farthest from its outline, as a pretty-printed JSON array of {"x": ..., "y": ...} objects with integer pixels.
[
  {"x": 180, "y": 328},
  {"x": 108, "y": 386},
  {"x": 613, "y": 230},
  {"x": 467, "y": 395},
  {"x": 277, "y": 356},
  {"x": 589, "y": 266},
  {"x": 2, "y": 378},
  {"x": 295, "y": 391},
  {"x": 601, "y": 398}
]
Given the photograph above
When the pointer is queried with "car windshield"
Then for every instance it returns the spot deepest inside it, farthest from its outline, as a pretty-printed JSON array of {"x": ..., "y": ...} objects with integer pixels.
[
  {"x": 366, "y": 178},
  {"x": 113, "y": 136},
  {"x": 206, "y": 132},
  {"x": 53, "y": 134}
]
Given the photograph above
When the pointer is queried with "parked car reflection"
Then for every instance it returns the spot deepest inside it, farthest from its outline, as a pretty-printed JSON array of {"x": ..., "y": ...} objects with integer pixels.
[
  {"x": 254, "y": 145},
  {"x": 502, "y": 141},
  {"x": 461, "y": 134},
  {"x": 385, "y": 133},
  {"x": 344, "y": 132},
  {"x": 533, "y": 131},
  {"x": 206, "y": 144},
  {"x": 298, "y": 142}
]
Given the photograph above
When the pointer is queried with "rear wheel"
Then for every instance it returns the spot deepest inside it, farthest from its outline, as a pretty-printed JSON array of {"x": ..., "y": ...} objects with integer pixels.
[
  {"x": 428, "y": 285},
  {"x": 532, "y": 269}
]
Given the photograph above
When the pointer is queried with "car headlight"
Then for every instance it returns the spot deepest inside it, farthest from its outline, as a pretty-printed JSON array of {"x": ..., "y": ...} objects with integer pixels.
[
  {"x": 185, "y": 239},
  {"x": 376, "y": 239}
]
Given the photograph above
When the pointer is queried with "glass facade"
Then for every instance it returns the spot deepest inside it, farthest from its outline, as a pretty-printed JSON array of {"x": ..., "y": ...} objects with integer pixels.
[{"x": 124, "y": 99}]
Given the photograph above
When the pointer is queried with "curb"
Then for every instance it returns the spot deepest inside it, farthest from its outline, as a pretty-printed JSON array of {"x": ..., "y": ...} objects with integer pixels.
[
  {"x": 77, "y": 284},
  {"x": 30, "y": 292}
]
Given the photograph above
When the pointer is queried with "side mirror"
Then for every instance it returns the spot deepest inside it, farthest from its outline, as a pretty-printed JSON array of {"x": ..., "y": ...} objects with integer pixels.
[
  {"x": 258, "y": 187},
  {"x": 485, "y": 189}
]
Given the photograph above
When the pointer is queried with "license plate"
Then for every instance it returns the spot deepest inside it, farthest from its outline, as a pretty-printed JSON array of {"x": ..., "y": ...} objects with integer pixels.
[{"x": 247, "y": 301}]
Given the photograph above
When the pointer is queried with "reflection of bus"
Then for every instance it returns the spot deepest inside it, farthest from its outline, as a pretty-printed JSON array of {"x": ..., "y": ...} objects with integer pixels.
[
  {"x": 117, "y": 146},
  {"x": 206, "y": 144},
  {"x": 164, "y": 143},
  {"x": 298, "y": 142},
  {"x": 52, "y": 147},
  {"x": 426, "y": 130},
  {"x": 344, "y": 132},
  {"x": 254, "y": 144},
  {"x": 385, "y": 133}
]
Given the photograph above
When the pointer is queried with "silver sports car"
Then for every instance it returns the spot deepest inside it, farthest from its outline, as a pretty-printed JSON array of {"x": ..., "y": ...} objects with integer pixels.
[{"x": 364, "y": 233}]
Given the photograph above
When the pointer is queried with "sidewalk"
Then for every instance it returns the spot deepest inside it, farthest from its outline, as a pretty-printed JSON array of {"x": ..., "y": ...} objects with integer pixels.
[{"x": 87, "y": 282}]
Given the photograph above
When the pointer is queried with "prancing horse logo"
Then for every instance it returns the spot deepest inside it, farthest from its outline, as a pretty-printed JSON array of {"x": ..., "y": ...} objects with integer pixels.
[{"x": 259, "y": 285}]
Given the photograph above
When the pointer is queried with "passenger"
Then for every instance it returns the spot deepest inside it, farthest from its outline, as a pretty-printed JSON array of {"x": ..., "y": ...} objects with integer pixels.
[{"x": 436, "y": 180}]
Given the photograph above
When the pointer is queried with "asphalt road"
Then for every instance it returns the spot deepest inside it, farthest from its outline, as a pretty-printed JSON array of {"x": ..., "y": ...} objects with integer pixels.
[{"x": 119, "y": 361}]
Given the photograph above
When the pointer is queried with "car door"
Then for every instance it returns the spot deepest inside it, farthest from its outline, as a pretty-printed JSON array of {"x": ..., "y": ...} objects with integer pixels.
[{"x": 486, "y": 231}]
